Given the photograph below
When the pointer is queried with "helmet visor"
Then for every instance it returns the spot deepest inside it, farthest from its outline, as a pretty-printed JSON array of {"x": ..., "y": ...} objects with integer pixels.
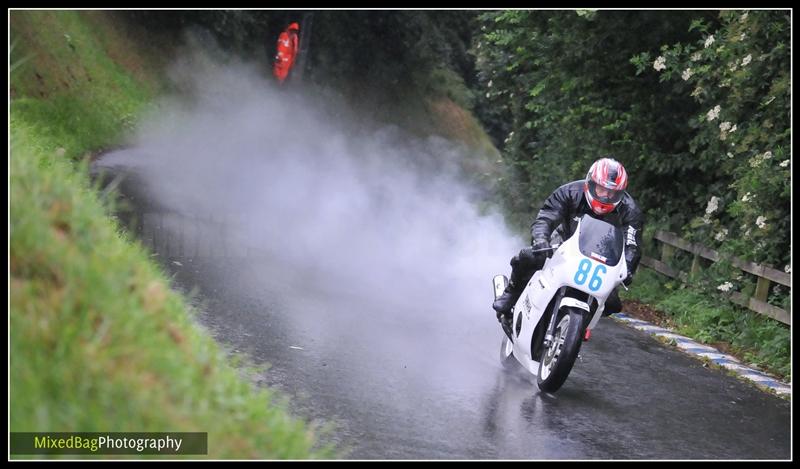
[{"x": 604, "y": 195}]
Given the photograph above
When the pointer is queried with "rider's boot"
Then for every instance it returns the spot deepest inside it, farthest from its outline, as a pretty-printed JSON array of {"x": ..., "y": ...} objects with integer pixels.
[
  {"x": 505, "y": 302},
  {"x": 503, "y": 305}
]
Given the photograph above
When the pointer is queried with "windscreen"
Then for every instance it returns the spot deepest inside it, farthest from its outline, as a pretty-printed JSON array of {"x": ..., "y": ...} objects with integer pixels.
[{"x": 600, "y": 240}]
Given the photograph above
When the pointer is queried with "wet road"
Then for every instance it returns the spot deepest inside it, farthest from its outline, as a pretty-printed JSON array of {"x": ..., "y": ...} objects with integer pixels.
[{"x": 425, "y": 382}]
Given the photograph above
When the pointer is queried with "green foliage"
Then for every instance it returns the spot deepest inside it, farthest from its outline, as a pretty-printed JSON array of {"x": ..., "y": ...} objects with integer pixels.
[
  {"x": 387, "y": 53},
  {"x": 446, "y": 82},
  {"x": 569, "y": 95},
  {"x": 66, "y": 85},
  {"x": 739, "y": 72}
]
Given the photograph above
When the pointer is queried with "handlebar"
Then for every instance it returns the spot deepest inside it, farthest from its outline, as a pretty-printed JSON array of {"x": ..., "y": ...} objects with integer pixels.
[{"x": 551, "y": 248}]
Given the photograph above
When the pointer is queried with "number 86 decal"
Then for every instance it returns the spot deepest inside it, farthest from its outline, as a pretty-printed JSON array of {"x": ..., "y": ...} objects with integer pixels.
[{"x": 583, "y": 273}]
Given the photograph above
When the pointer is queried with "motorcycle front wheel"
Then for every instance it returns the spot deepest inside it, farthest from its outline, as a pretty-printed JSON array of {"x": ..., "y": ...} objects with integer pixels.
[{"x": 559, "y": 357}]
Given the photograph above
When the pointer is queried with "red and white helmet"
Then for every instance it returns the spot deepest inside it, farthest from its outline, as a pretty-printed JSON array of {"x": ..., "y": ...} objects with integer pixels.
[{"x": 605, "y": 185}]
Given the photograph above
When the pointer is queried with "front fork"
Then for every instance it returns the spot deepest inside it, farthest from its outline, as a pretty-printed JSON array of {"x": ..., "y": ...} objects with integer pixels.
[{"x": 551, "y": 327}]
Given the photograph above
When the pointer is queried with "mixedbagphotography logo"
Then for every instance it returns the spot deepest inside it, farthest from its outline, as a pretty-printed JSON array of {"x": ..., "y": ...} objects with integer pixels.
[{"x": 109, "y": 443}]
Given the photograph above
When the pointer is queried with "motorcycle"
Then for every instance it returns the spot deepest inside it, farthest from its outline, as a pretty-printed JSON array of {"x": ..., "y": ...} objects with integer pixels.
[{"x": 563, "y": 301}]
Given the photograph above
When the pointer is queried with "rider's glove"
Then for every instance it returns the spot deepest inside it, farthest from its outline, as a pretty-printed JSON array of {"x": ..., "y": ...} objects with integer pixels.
[{"x": 540, "y": 244}]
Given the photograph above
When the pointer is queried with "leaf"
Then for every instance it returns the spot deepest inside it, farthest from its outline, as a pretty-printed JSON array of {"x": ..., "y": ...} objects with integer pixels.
[
  {"x": 537, "y": 89},
  {"x": 698, "y": 24}
]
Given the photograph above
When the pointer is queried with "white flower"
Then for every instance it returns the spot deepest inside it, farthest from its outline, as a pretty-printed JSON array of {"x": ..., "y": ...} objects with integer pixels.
[
  {"x": 784, "y": 163},
  {"x": 733, "y": 129},
  {"x": 697, "y": 92},
  {"x": 712, "y": 206},
  {"x": 743, "y": 17},
  {"x": 721, "y": 235},
  {"x": 747, "y": 197},
  {"x": 732, "y": 66},
  {"x": 488, "y": 95},
  {"x": 725, "y": 126},
  {"x": 660, "y": 63},
  {"x": 741, "y": 38},
  {"x": 709, "y": 41},
  {"x": 788, "y": 269},
  {"x": 761, "y": 222},
  {"x": 489, "y": 85},
  {"x": 713, "y": 113},
  {"x": 725, "y": 287},
  {"x": 730, "y": 155},
  {"x": 687, "y": 74},
  {"x": 707, "y": 219},
  {"x": 747, "y": 59},
  {"x": 756, "y": 160},
  {"x": 696, "y": 56}
]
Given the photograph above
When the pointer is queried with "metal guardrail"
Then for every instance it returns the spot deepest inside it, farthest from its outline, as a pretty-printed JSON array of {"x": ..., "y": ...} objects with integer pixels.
[{"x": 766, "y": 275}]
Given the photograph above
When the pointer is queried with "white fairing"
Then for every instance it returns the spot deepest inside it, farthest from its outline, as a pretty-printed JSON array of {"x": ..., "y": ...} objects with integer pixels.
[{"x": 562, "y": 269}]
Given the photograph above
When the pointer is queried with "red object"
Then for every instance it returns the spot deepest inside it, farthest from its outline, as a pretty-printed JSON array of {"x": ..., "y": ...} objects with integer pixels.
[
  {"x": 588, "y": 335},
  {"x": 286, "y": 54}
]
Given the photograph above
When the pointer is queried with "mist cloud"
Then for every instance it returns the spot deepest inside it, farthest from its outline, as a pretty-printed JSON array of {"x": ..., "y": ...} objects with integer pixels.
[{"x": 343, "y": 214}]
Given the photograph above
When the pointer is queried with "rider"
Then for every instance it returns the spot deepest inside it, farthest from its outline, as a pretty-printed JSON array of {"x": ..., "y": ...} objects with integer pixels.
[{"x": 601, "y": 195}]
